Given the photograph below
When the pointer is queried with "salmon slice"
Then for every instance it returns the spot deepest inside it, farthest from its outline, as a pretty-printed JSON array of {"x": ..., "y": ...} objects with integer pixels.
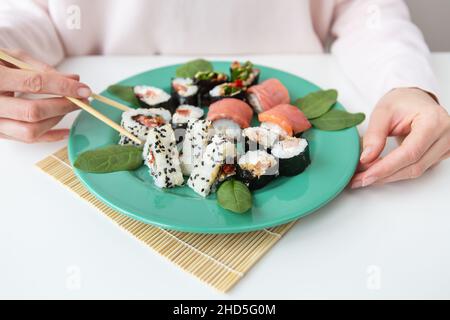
[
  {"x": 288, "y": 117},
  {"x": 267, "y": 95},
  {"x": 233, "y": 109}
]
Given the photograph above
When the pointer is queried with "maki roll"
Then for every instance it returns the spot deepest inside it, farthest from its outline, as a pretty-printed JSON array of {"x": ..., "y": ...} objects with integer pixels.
[
  {"x": 217, "y": 164},
  {"x": 229, "y": 116},
  {"x": 184, "y": 91},
  {"x": 256, "y": 169},
  {"x": 184, "y": 113},
  {"x": 139, "y": 121},
  {"x": 293, "y": 155},
  {"x": 244, "y": 72},
  {"x": 180, "y": 119},
  {"x": 161, "y": 157},
  {"x": 197, "y": 136},
  {"x": 152, "y": 97},
  {"x": 206, "y": 81},
  {"x": 225, "y": 90},
  {"x": 258, "y": 138}
]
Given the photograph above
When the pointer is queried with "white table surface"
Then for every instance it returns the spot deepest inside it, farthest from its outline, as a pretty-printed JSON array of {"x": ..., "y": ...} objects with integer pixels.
[{"x": 381, "y": 242}]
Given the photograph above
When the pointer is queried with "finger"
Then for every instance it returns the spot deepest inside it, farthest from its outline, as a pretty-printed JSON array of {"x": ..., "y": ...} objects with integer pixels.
[
  {"x": 45, "y": 82},
  {"x": 423, "y": 134},
  {"x": 75, "y": 77},
  {"x": 375, "y": 137},
  {"x": 54, "y": 135},
  {"x": 34, "y": 110},
  {"x": 356, "y": 181},
  {"x": 27, "y": 132},
  {"x": 445, "y": 156},
  {"x": 430, "y": 158},
  {"x": 364, "y": 166}
]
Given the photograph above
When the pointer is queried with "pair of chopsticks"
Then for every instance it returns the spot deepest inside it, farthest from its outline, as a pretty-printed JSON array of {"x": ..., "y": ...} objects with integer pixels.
[{"x": 25, "y": 66}]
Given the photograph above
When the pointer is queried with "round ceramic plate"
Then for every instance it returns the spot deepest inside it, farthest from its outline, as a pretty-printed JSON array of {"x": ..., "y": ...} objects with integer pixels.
[{"x": 334, "y": 156}]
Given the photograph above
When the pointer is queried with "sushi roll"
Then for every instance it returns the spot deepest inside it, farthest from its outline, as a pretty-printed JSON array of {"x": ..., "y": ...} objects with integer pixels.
[
  {"x": 197, "y": 136},
  {"x": 206, "y": 81},
  {"x": 229, "y": 116},
  {"x": 228, "y": 128},
  {"x": 275, "y": 128},
  {"x": 217, "y": 164},
  {"x": 161, "y": 157},
  {"x": 225, "y": 90},
  {"x": 258, "y": 138},
  {"x": 268, "y": 94},
  {"x": 180, "y": 118},
  {"x": 184, "y": 113},
  {"x": 293, "y": 155},
  {"x": 139, "y": 121},
  {"x": 184, "y": 91},
  {"x": 256, "y": 169},
  {"x": 244, "y": 72},
  {"x": 152, "y": 97}
]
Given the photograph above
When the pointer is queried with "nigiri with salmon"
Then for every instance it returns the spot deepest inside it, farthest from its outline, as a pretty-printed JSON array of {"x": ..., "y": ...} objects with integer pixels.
[
  {"x": 284, "y": 119},
  {"x": 268, "y": 94},
  {"x": 229, "y": 116}
]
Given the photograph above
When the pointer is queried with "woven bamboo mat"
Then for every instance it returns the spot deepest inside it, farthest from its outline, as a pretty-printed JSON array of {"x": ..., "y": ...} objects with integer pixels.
[{"x": 219, "y": 260}]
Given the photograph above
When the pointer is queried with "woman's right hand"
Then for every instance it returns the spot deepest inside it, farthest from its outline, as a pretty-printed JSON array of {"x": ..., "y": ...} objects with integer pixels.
[{"x": 29, "y": 120}]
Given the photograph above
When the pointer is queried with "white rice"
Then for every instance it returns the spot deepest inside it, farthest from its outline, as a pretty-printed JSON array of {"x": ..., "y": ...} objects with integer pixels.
[
  {"x": 274, "y": 128},
  {"x": 230, "y": 129},
  {"x": 151, "y": 95},
  {"x": 197, "y": 136},
  {"x": 254, "y": 102},
  {"x": 289, "y": 147},
  {"x": 137, "y": 129},
  {"x": 188, "y": 83},
  {"x": 261, "y": 136},
  {"x": 258, "y": 162},
  {"x": 194, "y": 113},
  {"x": 165, "y": 165},
  {"x": 218, "y": 91},
  {"x": 204, "y": 177}
]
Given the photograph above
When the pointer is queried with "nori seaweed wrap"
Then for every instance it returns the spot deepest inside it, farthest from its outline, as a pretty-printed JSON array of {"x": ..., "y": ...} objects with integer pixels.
[
  {"x": 152, "y": 97},
  {"x": 206, "y": 81},
  {"x": 180, "y": 119},
  {"x": 293, "y": 156},
  {"x": 256, "y": 169},
  {"x": 225, "y": 90},
  {"x": 184, "y": 91}
]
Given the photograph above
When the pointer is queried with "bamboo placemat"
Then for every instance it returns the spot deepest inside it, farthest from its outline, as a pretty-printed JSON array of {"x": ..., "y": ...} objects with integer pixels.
[{"x": 220, "y": 260}]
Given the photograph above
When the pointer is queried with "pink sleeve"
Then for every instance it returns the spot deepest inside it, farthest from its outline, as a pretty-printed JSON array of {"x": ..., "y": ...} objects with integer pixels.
[
  {"x": 380, "y": 48},
  {"x": 24, "y": 25}
]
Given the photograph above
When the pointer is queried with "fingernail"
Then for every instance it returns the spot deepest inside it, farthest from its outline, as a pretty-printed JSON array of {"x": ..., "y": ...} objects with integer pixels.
[
  {"x": 356, "y": 184},
  {"x": 368, "y": 181},
  {"x": 366, "y": 152},
  {"x": 84, "y": 92}
]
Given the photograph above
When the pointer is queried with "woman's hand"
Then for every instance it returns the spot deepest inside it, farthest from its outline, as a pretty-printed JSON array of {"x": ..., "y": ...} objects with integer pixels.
[
  {"x": 422, "y": 126},
  {"x": 32, "y": 120}
]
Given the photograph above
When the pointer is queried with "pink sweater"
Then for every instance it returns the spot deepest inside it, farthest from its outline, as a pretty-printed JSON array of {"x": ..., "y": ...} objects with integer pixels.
[{"x": 375, "y": 42}]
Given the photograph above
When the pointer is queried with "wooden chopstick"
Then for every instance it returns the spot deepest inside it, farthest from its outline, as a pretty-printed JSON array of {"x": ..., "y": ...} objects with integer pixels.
[
  {"x": 110, "y": 102},
  {"x": 22, "y": 65}
]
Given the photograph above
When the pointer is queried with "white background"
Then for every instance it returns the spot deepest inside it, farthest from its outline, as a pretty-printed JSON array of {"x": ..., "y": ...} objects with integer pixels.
[{"x": 381, "y": 242}]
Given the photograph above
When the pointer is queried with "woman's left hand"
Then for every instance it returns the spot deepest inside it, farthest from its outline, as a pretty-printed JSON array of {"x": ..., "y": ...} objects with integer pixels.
[{"x": 424, "y": 128}]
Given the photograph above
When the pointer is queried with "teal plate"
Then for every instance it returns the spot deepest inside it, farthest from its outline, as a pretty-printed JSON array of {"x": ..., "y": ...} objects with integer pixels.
[{"x": 334, "y": 158}]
